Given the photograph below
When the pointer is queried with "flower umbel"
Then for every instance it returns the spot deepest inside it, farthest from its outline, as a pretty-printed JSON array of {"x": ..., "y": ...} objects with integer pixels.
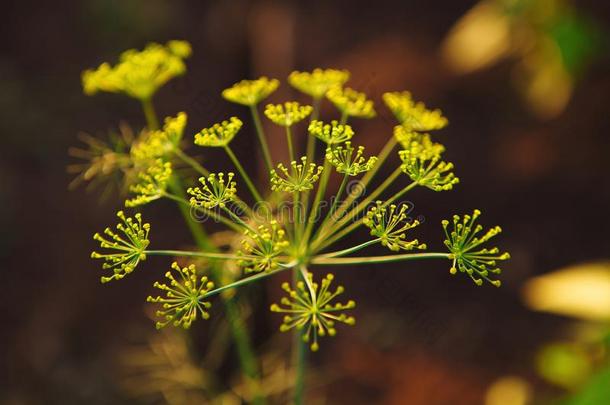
[
  {"x": 309, "y": 307},
  {"x": 421, "y": 161},
  {"x": 288, "y": 113},
  {"x": 160, "y": 143},
  {"x": 351, "y": 102},
  {"x": 318, "y": 82},
  {"x": 331, "y": 134},
  {"x": 250, "y": 92},
  {"x": 152, "y": 184},
  {"x": 344, "y": 160},
  {"x": 414, "y": 116},
  {"x": 184, "y": 297},
  {"x": 139, "y": 74},
  {"x": 128, "y": 245},
  {"x": 462, "y": 241},
  {"x": 389, "y": 224},
  {"x": 300, "y": 176},
  {"x": 219, "y": 135},
  {"x": 215, "y": 191},
  {"x": 261, "y": 248}
]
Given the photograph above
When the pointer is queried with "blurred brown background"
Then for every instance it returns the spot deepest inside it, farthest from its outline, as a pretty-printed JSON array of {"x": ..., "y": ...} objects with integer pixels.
[{"x": 422, "y": 337}]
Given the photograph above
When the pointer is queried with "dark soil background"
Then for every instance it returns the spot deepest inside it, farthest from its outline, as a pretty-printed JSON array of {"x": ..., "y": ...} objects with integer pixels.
[{"x": 545, "y": 181}]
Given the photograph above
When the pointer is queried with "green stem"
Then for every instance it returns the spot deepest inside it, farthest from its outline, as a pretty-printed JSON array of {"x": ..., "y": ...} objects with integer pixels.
[
  {"x": 149, "y": 112},
  {"x": 290, "y": 147},
  {"x": 251, "y": 279},
  {"x": 344, "y": 117},
  {"x": 366, "y": 179},
  {"x": 399, "y": 194},
  {"x": 299, "y": 350},
  {"x": 318, "y": 198},
  {"x": 351, "y": 215},
  {"x": 184, "y": 253},
  {"x": 321, "y": 260},
  {"x": 311, "y": 140},
  {"x": 261, "y": 137},
  {"x": 211, "y": 213},
  {"x": 241, "y": 339},
  {"x": 240, "y": 335},
  {"x": 191, "y": 162},
  {"x": 329, "y": 216},
  {"x": 349, "y": 250},
  {"x": 383, "y": 155},
  {"x": 244, "y": 175}
]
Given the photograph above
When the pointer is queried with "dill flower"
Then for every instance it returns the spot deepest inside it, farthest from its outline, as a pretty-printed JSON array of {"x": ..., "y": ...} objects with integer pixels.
[
  {"x": 160, "y": 143},
  {"x": 389, "y": 224},
  {"x": 462, "y": 241},
  {"x": 139, "y": 74},
  {"x": 300, "y": 176},
  {"x": 101, "y": 161},
  {"x": 262, "y": 248},
  {"x": 215, "y": 191},
  {"x": 309, "y": 307},
  {"x": 331, "y": 134},
  {"x": 288, "y": 113},
  {"x": 152, "y": 185},
  {"x": 344, "y": 160},
  {"x": 412, "y": 115},
  {"x": 219, "y": 135},
  {"x": 318, "y": 82},
  {"x": 184, "y": 297},
  {"x": 128, "y": 246},
  {"x": 250, "y": 92},
  {"x": 421, "y": 161},
  {"x": 351, "y": 103}
]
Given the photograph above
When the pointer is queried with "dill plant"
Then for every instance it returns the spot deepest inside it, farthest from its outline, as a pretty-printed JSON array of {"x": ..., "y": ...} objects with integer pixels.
[{"x": 271, "y": 240}]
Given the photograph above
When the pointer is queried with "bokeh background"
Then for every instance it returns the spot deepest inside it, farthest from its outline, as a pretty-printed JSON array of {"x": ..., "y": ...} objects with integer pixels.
[{"x": 526, "y": 87}]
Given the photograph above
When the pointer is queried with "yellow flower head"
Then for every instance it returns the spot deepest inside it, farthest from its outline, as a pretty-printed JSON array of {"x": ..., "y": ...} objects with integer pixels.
[
  {"x": 288, "y": 113},
  {"x": 219, "y": 135},
  {"x": 390, "y": 224},
  {"x": 414, "y": 116},
  {"x": 351, "y": 102},
  {"x": 152, "y": 184},
  {"x": 126, "y": 247},
  {"x": 346, "y": 162},
  {"x": 421, "y": 161},
  {"x": 261, "y": 249},
  {"x": 184, "y": 297},
  {"x": 310, "y": 308},
  {"x": 299, "y": 177},
  {"x": 216, "y": 191},
  {"x": 331, "y": 134},
  {"x": 139, "y": 74},
  {"x": 250, "y": 92},
  {"x": 465, "y": 242},
  {"x": 318, "y": 82},
  {"x": 157, "y": 144}
]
